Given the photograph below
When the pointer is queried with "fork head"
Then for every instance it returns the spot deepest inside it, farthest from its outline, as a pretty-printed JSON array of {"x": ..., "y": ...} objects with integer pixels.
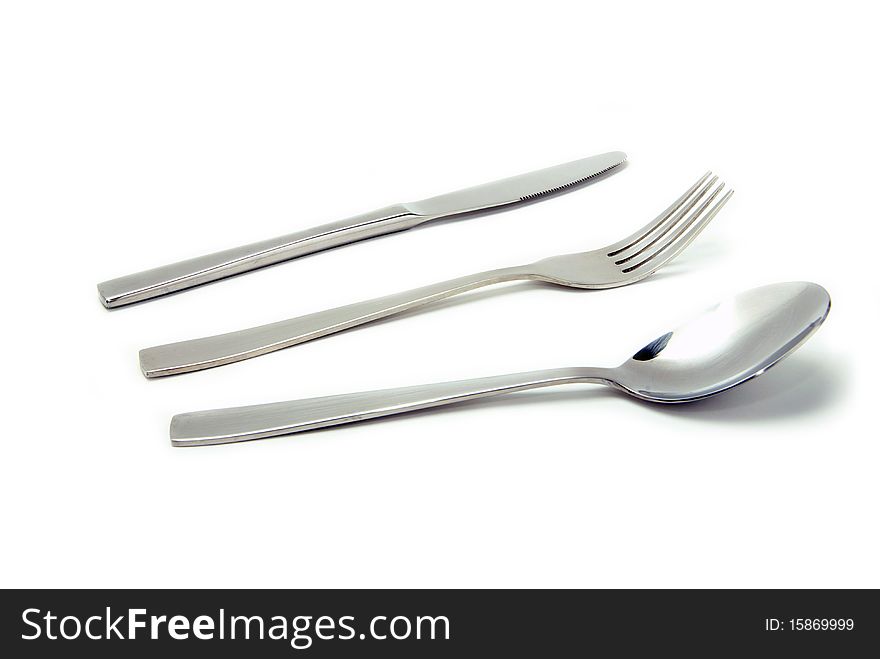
[{"x": 645, "y": 251}]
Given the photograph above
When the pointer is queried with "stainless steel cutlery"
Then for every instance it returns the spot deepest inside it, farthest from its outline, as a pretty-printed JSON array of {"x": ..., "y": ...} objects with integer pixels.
[
  {"x": 727, "y": 345},
  {"x": 618, "y": 264},
  {"x": 730, "y": 343},
  {"x": 203, "y": 269}
]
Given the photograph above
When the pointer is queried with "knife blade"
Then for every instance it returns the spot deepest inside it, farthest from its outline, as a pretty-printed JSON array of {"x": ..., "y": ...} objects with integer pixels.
[{"x": 156, "y": 282}]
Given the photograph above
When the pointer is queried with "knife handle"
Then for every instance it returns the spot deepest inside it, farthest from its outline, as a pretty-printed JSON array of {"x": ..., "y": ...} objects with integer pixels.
[{"x": 203, "y": 269}]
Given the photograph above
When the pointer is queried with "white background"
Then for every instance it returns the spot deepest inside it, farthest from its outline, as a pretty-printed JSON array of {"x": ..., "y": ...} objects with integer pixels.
[{"x": 136, "y": 134}]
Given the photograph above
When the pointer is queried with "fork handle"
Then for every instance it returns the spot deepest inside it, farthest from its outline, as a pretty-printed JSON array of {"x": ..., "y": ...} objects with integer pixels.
[
  {"x": 210, "y": 351},
  {"x": 166, "y": 279},
  {"x": 238, "y": 424}
]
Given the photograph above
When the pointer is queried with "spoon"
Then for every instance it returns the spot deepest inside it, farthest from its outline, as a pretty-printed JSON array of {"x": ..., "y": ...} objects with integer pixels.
[{"x": 726, "y": 345}]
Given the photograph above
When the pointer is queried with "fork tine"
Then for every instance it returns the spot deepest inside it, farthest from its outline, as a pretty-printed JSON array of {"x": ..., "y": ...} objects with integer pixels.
[
  {"x": 646, "y": 230},
  {"x": 675, "y": 245},
  {"x": 669, "y": 225}
]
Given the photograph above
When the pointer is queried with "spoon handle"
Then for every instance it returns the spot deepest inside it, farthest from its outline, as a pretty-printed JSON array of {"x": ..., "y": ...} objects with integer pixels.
[
  {"x": 206, "y": 352},
  {"x": 238, "y": 424}
]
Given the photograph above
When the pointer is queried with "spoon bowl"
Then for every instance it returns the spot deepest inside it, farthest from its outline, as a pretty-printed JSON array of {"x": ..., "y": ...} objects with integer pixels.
[{"x": 726, "y": 345}]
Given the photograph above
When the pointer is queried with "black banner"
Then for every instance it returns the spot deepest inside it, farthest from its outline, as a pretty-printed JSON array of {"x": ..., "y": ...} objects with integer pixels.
[{"x": 422, "y": 623}]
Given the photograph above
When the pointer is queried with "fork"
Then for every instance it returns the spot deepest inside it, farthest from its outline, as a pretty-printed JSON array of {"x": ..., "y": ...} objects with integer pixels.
[{"x": 618, "y": 264}]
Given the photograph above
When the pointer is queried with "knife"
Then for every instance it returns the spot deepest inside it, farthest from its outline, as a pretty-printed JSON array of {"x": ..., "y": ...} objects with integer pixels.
[{"x": 166, "y": 279}]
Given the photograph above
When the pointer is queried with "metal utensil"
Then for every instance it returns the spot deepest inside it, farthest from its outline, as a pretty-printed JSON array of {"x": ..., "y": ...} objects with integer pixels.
[
  {"x": 201, "y": 270},
  {"x": 621, "y": 263},
  {"x": 727, "y": 345}
]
